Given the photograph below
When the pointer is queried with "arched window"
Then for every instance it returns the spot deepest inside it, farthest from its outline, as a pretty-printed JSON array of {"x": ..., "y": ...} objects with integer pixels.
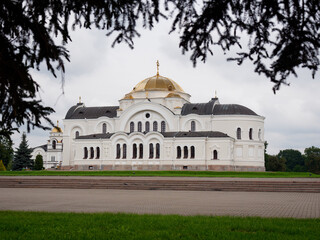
[
  {"x": 124, "y": 151},
  {"x": 134, "y": 151},
  {"x": 91, "y": 153},
  {"x": 238, "y": 133},
  {"x": 54, "y": 144},
  {"x": 104, "y": 128},
  {"x": 77, "y": 134},
  {"x": 150, "y": 150},
  {"x": 215, "y": 154},
  {"x": 131, "y": 127},
  {"x": 193, "y": 126},
  {"x": 85, "y": 153},
  {"x": 178, "y": 152},
  {"x": 139, "y": 126},
  {"x": 157, "y": 150},
  {"x": 192, "y": 154},
  {"x": 250, "y": 133},
  {"x": 140, "y": 150},
  {"x": 155, "y": 126},
  {"x": 118, "y": 151},
  {"x": 185, "y": 152},
  {"x": 98, "y": 153},
  {"x": 259, "y": 134},
  {"x": 147, "y": 127},
  {"x": 163, "y": 126}
]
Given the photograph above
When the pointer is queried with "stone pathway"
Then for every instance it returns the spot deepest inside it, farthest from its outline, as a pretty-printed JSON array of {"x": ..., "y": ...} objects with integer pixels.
[{"x": 263, "y": 204}]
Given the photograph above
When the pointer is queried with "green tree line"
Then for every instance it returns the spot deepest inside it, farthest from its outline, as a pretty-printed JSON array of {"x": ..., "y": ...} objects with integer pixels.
[
  {"x": 291, "y": 160},
  {"x": 20, "y": 159}
]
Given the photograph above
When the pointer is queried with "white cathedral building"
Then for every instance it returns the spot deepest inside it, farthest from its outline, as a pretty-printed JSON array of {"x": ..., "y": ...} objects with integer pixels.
[{"x": 156, "y": 127}]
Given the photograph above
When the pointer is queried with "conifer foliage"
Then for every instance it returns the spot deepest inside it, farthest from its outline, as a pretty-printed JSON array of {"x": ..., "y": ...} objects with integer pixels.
[
  {"x": 6, "y": 151},
  {"x": 38, "y": 162},
  {"x": 22, "y": 156}
]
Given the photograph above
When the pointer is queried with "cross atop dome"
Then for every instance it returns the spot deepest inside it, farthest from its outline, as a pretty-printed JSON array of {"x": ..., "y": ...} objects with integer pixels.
[{"x": 158, "y": 68}]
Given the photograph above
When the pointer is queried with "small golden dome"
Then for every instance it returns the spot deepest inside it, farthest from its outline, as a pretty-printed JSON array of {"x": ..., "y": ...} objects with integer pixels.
[
  {"x": 128, "y": 96},
  {"x": 173, "y": 95},
  {"x": 157, "y": 83},
  {"x": 56, "y": 130}
]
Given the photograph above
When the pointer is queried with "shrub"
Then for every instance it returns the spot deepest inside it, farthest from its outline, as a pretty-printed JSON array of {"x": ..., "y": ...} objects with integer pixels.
[
  {"x": 2, "y": 167},
  {"x": 38, "y": 163}
]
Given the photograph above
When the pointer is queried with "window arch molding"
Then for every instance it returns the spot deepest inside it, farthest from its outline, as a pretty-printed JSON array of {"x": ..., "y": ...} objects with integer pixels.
[
  {"x": 147, "y": 126},
  {"x": 250, "y": 133},
  {"x": 185, "y": 152},
  {"x": 139, "y": 111},
  {"x": 215, "y": 154},
  {"x": 118, "y": 141},
  {"x": 238, "y": 133},
  {"x": 75, "y": 129},
  {"x": 97, "y": 152},
  {"x": 139, "y": 126},
  {"x": 85, "y": 153},
  {"x": 91, "y": 152},
  {"x": 163, "y": 126},
  {"x": 179, "y": 152},
  {"x": 193, "y": 126},
  {"x": 99, "y": 126},
  {"x": 104, "y": 128},
  {"x": 187, "y": 125},
  {"x": 54, "y": 144},
  {"x": 192, "y": 152},
  {"x": 155, "y": 126},
  {"x": 140, "y": 151},
  {"x": 131, "y": 127}
]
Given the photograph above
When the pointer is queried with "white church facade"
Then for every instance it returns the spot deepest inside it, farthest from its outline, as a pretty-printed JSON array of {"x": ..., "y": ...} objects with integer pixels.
[{"x": 156, "y": 127}]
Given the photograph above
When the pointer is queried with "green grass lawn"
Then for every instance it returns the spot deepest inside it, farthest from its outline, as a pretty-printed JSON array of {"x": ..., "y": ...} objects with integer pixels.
[
  {"x": 40, "y": 225},
  {"x": 164, "y": 174}
]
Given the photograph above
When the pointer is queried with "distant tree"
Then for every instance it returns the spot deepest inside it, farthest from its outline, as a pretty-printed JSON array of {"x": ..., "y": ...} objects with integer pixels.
[
  {"x": 6, "y": 151},
  {"x": 38, "y": 162},
  {"x": 283, "y": 35},
  {"x": 274, "y": 163},
  {"x": 312, "y": 155},
  {"x": 266, "y": 155},
  {"x": 2, "y": 167},
  {"x": 22, "y": 156},
  {"x": 9, "y": 167},
  {"x": 294, "y": 160}
]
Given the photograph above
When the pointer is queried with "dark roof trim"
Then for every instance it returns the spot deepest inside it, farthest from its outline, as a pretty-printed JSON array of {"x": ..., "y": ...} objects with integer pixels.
[
  {"x": 232, "y": 109},
  {"x": 44, "y": 147},
  {"x": 213, "y": 107},
  {"x": 96, "y": 136},
  {"x": 79, "y": 111},
  {"x": 210, "y": 134},
  {"x": 199, "y": 108}
]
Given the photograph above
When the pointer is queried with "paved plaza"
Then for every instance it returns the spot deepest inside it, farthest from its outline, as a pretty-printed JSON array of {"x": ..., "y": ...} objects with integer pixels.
[{"x": 263, "y": 204}]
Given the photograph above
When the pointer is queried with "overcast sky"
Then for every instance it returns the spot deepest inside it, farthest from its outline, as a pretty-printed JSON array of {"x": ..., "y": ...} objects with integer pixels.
[{"x": 102, "y": 75}]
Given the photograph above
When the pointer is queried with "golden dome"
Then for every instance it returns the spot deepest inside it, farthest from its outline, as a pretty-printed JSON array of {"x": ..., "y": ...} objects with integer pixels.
[
  {"x": 56, "y": 129},
  {"x": 157, "y": 83},
  {"x": 128, "y": 96},
  {"x": 173, "y": 95}
]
